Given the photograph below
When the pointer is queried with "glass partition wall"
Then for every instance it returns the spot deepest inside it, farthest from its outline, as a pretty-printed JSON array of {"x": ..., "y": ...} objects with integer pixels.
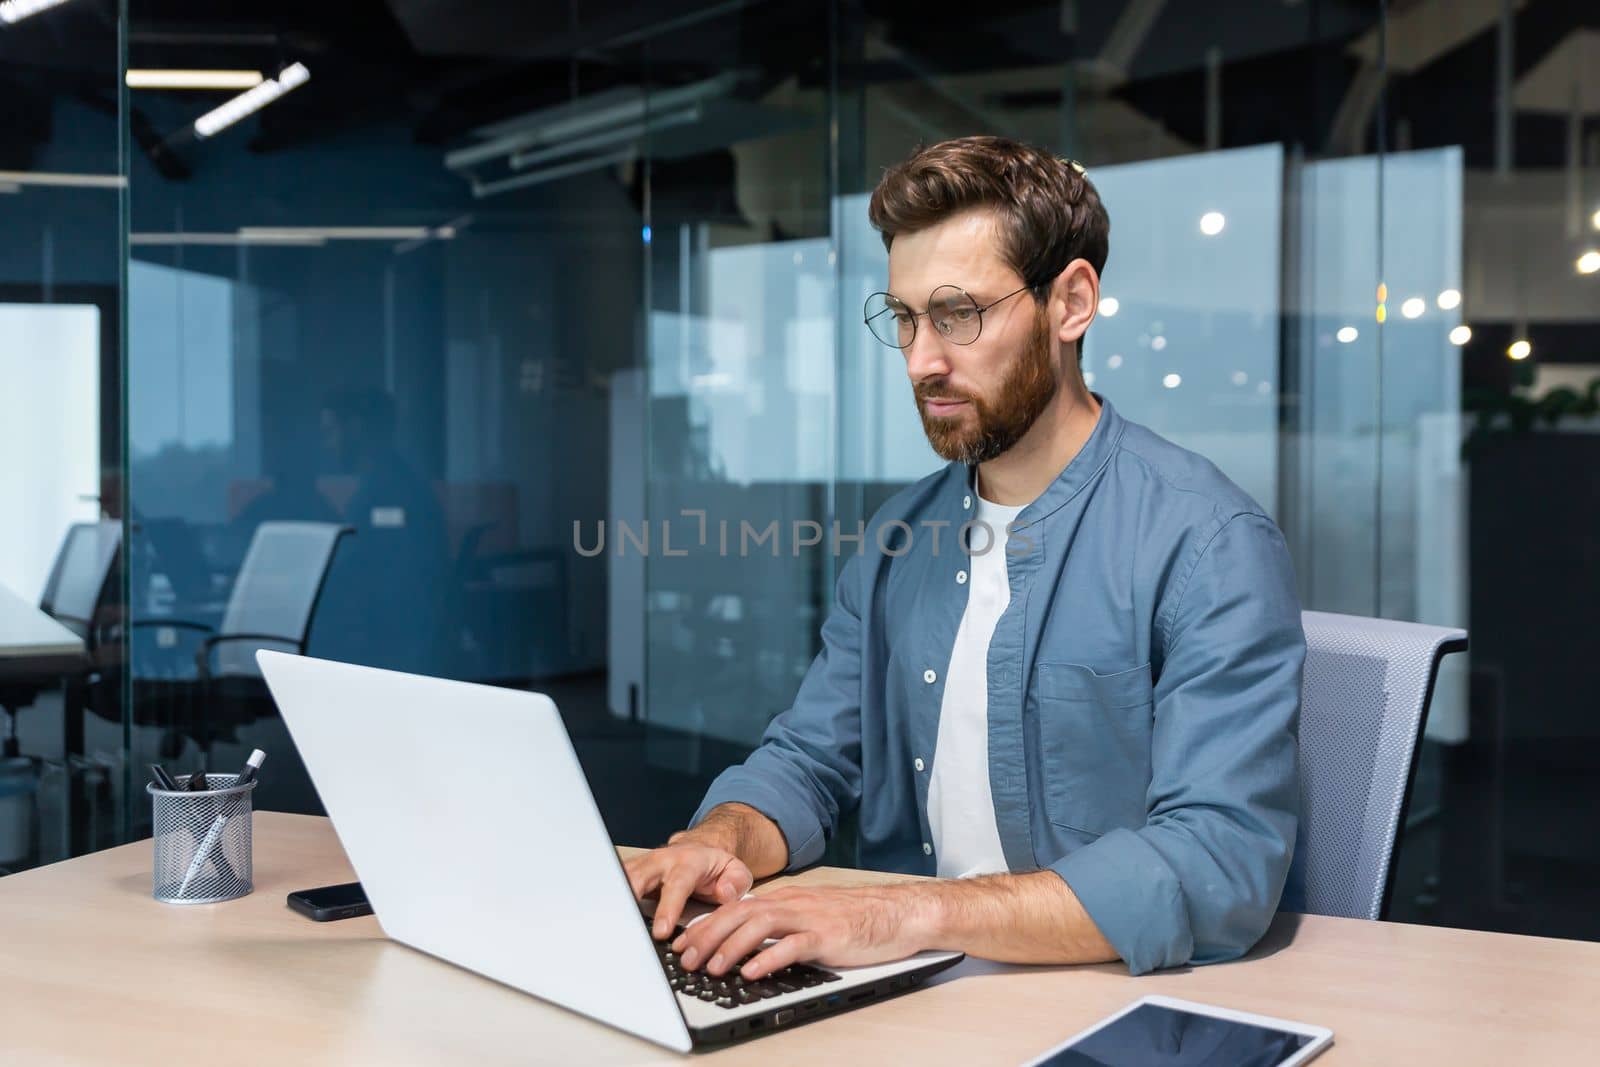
[
  {"x": 548, "y": 322},
  {"x": 63, "y": 185}
]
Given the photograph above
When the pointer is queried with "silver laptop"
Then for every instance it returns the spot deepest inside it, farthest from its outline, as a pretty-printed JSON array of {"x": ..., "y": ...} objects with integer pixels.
[{"x": 469, "y": 822}]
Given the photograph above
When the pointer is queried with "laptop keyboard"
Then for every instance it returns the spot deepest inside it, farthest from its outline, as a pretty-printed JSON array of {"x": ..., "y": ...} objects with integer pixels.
[{"x": 731, "y": 990}]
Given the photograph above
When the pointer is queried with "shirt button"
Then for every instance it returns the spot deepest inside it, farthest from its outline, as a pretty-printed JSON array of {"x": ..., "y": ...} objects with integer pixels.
[
  {"x": 929, "y": 677},
  {"x": 961, "y": 577},
  {"x": 917, "y": 763},
  {"x": 927, "y": 849},
  {"x": 966, "y": 501}
]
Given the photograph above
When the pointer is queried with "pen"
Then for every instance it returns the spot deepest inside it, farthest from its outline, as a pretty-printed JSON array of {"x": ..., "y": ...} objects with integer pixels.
[
  {"x": 163, "y": 779},
  {"x": 251, "y": 766},
  {"x": 214, "y": 835}
]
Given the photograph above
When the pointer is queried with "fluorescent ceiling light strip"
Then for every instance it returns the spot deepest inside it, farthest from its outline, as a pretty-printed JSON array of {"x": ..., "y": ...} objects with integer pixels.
[
  {"x": 338, "y": 233},
  {"x": 17, "y": 10},
  {"x": 549, "y": 174},
  {"x": 552, "y": 127},
  {"x": 251, "y": 101},
  {"x": 606, "y": 138},
  {"x": 197, "y": 238},
  {"x": 76, "y": 181},
  {"x": 194, "y": 79}
]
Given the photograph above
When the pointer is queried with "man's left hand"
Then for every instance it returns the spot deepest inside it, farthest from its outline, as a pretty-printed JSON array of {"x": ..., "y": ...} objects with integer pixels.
[{"x": 838, "y": 926}]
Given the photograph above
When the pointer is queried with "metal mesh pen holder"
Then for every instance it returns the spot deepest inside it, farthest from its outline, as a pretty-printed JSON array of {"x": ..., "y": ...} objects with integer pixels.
[{"x": 202, "y": 842}]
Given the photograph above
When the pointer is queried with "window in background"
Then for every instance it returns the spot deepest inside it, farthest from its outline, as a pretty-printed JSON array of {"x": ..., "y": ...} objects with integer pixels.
[{"x": 50, "y": 430}]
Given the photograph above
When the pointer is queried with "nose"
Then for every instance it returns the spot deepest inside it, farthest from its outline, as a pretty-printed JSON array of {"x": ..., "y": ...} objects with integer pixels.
[{"x": 927, "y": 356}]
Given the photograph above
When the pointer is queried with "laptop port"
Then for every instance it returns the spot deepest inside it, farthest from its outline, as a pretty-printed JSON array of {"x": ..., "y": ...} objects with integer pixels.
[{"x": 785, "y": 1017}]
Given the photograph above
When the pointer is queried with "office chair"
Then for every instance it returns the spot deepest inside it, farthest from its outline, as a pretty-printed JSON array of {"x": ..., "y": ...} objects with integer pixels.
[
  {"x": 79, "y": 594},
  {"x": 1364, "y": 700},
  {"x": 75, "y": 596},
  {"x": 272, "y": 605}
]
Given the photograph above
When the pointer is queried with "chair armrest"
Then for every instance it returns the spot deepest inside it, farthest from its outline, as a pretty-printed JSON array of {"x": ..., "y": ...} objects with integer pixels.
[{"x": 175, "y": 624}]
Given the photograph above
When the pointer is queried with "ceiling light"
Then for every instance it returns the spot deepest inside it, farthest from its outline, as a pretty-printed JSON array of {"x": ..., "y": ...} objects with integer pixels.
[
  {"x": 1589, "y": 262},
  {"x": 194, "y": 79},
  {"x": 1449, "y": 299},
  {"x": 1115, "y": 361},
  {"x": 251, "y": 101},
  {"x": 1347, "y": 334},
  {"x": 1241, "y": 378},
  {"x": 1520, "y": 350},
  {"x": 1461, "y": 335},
  {"x": 338, "y": 233},
  {"x": 1413, "y": 307},
  {"x": 17, "y": 10},
  {"x": 1109, "y": 306},
  {"x": 1158, "y": 342},
  {"x": 1172, "y": 381},
  {"x": 1211, "y": 223},
  {"x": 1595, "y": 220}
]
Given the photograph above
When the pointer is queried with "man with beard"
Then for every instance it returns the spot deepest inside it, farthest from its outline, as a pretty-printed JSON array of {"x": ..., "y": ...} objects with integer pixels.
[{"x": 1078, "y": 707}]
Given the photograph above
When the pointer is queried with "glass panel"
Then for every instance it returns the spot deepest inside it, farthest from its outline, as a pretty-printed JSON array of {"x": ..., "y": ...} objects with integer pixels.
[
  {"x": 741, "y": 386},
  {"x": 1490, "y": 446},
  {"x": 63, "y": 783},
  {"x": 370, "y": 382}
]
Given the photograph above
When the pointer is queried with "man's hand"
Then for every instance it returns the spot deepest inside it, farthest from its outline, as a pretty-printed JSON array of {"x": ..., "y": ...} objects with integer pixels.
[
  {"x": 841, "y": 927},
  {"x": 684, "y": 869}
]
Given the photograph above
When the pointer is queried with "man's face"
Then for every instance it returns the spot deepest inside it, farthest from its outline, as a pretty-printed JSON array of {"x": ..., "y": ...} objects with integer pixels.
[{"x": 976, "y": 401}]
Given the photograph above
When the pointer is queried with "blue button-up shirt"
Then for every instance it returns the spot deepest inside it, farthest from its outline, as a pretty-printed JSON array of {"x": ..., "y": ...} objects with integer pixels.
[{"x": 1144, "y": 696}]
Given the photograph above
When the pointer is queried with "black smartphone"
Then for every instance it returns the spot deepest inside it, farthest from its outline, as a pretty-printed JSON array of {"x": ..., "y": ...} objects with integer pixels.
[{"x": 331, "y": 902}]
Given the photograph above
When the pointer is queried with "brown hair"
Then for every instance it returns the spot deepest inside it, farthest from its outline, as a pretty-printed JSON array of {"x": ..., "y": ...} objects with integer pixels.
[{"x": 1049, "y": 213}]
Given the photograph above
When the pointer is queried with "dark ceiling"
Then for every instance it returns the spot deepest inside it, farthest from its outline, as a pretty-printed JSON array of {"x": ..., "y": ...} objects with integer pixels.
[{"x": 442, "y": 68}]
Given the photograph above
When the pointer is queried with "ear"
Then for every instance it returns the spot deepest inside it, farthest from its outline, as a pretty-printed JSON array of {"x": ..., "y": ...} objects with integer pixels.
[{"x": 1075, "y": 300}]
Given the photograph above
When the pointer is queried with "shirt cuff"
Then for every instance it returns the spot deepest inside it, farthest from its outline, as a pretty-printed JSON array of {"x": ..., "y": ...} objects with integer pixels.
[
  {"x": 1134, "y": 898},
  {"x": 802, "y": 831}
]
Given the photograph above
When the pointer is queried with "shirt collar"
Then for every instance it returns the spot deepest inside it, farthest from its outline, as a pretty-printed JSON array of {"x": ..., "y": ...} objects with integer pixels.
[{"x": 1090, "y": 460}]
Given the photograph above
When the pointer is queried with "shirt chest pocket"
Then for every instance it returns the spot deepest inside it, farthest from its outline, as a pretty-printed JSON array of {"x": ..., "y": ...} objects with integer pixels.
[{"x": 1094, "y": 734}]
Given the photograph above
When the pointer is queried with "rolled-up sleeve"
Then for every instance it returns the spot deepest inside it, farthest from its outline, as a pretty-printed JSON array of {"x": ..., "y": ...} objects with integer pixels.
[
  {"x": 807, "y": 771},
  {"x": 1200, "y": 881}
]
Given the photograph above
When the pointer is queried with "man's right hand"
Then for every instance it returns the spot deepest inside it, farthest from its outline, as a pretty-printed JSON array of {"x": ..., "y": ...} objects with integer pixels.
[{"x": 686, "y": 868}]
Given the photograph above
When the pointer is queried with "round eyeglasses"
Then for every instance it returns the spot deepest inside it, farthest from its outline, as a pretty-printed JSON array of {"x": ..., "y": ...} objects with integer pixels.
[{"x": 953, "y": 312}]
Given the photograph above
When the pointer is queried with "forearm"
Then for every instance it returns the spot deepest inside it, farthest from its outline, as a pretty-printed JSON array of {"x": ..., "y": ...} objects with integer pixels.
[
  {"x": 1011, "y": 918},
  {"x": 743, "y": 831}
]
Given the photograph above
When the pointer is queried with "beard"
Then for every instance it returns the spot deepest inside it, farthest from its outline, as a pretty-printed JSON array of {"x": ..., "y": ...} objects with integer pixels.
[{"x": 1001, "y": 419}]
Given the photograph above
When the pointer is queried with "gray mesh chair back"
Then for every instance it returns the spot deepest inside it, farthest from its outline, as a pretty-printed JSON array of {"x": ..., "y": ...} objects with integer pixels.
[
  {"x": 1364, "y": 701},
  {"x": 275, "y": 595},
  {"x": 80, "y": 574}
]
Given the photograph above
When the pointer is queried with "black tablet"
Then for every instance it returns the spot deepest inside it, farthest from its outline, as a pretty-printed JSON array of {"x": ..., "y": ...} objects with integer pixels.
[{"x": 1167, "y": 1032}]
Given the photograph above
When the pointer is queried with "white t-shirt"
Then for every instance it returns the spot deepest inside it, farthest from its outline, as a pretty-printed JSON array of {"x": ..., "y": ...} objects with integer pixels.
[{"x": 966, "y": 839}]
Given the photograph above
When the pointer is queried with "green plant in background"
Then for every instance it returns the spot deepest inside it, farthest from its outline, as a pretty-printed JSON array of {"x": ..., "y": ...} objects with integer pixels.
[{"x": 1500, "y": 413}]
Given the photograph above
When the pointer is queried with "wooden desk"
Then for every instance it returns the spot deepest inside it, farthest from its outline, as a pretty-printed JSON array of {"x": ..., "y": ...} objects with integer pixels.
[
  {"x": 31, "y": 642},
  {"x": 94, "y": 971}
]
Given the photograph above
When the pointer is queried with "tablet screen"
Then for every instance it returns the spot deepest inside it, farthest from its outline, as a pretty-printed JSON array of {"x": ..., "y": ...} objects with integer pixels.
[{"x": 1155, "y": 1036}]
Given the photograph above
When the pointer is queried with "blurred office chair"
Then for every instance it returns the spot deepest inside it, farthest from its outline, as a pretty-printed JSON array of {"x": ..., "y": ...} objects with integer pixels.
[
  {"x": 272, "y": 604},
  {"x": 79, "y": 594},
  {"x": 1364, "y": 700},
  {"x": 274, "y": 598},
  {"x": 75, "y": 596}
]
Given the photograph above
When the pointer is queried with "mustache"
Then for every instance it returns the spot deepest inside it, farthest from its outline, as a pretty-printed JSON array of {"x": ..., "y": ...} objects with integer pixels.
[{"x": 924, "y": 391}]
